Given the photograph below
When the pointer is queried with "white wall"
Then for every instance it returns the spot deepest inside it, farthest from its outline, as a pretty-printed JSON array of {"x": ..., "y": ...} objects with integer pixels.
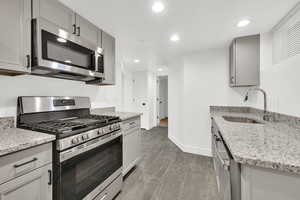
[
  {"x": 205, "y": 83},
  {"x": 201, "y": 80},
  {"x": 281, "y": 81},
  {"x": 28, "y": 85},
  {"x": 101, "y": 96},
  {"x": 144, "y": 92},
  {"x": 127, "y": 91},
  {"x": 175, "y": 103}
]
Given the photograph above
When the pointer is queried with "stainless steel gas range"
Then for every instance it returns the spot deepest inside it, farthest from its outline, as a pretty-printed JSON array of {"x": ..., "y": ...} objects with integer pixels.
[{"x": 87, "y": 153}]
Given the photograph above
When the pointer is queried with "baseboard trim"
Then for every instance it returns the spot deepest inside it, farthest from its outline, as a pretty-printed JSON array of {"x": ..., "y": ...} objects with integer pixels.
[
  {"x": 176, "y": 142},
  {"x": 190, "y": 149}
]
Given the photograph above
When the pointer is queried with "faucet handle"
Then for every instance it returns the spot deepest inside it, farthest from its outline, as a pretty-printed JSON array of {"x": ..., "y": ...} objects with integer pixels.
[{"x": 268, "y": 117}]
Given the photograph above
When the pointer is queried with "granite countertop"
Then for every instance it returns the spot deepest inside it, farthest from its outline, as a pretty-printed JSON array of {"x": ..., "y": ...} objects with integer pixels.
[
  {"x": 123, "y": 115},
  {"x": 14, "y": 139},
  {"x": 274, "y": 145}
]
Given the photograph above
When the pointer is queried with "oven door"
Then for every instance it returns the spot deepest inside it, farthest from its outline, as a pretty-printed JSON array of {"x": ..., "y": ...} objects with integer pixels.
[
  {"x": 57, "y": 52},
  {"x": 98, "y": 163}
]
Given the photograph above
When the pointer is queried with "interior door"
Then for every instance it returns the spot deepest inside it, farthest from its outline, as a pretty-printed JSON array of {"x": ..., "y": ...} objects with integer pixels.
[{"x": 163, "y": 98}]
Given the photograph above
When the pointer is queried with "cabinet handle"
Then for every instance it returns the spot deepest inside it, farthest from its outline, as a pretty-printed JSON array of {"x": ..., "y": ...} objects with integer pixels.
[
  {"x": 232, "y": 79},
  {"x": 50, "y": 177},
  {"x": 78, "y": 31},
  {"x": 74, "y": 29},
  {"x": 25, "y": 163},
  {"x": 28, "y": 61}
]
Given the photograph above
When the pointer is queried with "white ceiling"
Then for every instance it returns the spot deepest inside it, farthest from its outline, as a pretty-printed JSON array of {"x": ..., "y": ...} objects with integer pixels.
[{"x": 201, "y": 24}]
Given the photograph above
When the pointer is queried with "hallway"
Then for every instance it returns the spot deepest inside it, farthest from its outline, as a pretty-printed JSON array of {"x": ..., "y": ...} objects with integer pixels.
[{"x": 167, "y": 173}]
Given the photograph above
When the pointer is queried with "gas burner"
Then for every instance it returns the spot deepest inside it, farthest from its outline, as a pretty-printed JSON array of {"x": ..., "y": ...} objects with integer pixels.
[
  {"x": 69, "y": 125},
  {"x": 58, "y": 126}
]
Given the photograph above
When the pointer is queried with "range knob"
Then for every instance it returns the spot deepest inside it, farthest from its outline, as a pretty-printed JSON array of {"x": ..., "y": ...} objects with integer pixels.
[
  {"x": 75, "y": 140},
  {"x": 85, "y": 137}
]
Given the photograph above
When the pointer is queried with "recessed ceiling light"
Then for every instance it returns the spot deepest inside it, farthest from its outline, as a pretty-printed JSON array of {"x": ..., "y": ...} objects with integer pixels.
[
  {"x": 136, "y": 60},
  {"x": 158, "y": 7},
  {"x": 68, "y": 61},
  {"x": 243, "y": 23},
  {"x": 160, "y": 69},
  {"x": 174, "y": 38},
  {"x": 62, "y": 40}
]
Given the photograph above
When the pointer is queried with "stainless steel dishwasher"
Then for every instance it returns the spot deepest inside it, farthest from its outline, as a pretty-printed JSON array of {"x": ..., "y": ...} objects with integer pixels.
[{"x": 228, "y": 172}]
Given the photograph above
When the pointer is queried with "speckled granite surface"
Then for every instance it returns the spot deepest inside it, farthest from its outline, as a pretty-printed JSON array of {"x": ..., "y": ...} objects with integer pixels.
[
  {"x": 122, "y": 115},
  {"x": 14, "y": 139},
  {"x": 274, "y": 144},
  {"x": 6, "y": 122}
]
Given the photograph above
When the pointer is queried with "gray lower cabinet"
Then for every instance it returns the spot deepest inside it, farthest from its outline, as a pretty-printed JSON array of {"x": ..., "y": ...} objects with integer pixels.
[
  {"x": 108, "y": 45},
  {"x": 34, "y": 185},
  {"x": 131, "y": 143},
  {"x": 15, "y": 49},
  {"x": 27, "y": 174},
  {"x": 245, "y": 61}
]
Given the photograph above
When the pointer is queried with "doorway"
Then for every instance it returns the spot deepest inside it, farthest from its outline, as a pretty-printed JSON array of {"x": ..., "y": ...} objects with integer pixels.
[{"x": 162, "y": 101}]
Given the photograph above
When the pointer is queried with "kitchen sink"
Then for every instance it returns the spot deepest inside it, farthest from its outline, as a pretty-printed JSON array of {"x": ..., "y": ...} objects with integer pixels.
[{"x": 241, "y": 120}]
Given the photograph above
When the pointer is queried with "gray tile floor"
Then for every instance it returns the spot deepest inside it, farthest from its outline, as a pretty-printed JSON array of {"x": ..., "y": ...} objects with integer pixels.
[{"x": 167, "y": 173}]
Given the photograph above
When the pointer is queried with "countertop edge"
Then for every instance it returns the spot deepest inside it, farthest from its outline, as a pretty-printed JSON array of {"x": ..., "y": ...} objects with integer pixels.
[
  {"x": 257, "y": 162},
  {"x": 25, "y": 146}
]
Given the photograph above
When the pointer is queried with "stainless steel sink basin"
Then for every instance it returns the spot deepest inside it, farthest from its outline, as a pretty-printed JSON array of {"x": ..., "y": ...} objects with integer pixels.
[{"x": 241, "y": 120}]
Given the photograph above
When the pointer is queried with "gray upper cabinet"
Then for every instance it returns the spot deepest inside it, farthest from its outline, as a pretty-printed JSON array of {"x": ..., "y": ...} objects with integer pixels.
[
  {"x": 15, "y": 50},
  {"x": 108, "y": 45},
  {"x": 55, "y": 12},
  {"x": 86, "y": 30},
  {"x": 245, "y": 61}
]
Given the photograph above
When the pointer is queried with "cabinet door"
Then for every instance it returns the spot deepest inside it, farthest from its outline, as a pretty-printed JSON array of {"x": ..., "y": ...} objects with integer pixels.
[
  {"x": 247, "y": 52},
  {"x": 108, "y": 43},
  {"x": 232, "y": 64},
  {"x": 99, "y": 39},
  {"x": 36, "y": 185},
  {"x": 131, "y": 149},
  {"x": 55, "y": 12},
  {"x": 86, "y": 30},
  {"x": 15, "y": 38}
]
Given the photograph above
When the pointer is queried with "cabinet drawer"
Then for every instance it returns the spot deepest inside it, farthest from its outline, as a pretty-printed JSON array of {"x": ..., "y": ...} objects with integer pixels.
[
  {"x": 22, "y": 162},
  {"x": 112, "y": 190},
  {"x": 130, "y": 124}
]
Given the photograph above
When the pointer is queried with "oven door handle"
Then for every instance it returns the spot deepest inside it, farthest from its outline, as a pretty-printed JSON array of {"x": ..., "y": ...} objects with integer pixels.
[
  {"x": 104, "y": 197},
  {"x": 65, "y": 155}
]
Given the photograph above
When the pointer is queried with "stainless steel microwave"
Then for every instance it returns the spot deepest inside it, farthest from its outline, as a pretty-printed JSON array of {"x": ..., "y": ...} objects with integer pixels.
[{"x": 60, "y": 54}]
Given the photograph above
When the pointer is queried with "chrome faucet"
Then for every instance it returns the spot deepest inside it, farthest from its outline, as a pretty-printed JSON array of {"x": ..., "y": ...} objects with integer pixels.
[{"x": 266, "y": 116}]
